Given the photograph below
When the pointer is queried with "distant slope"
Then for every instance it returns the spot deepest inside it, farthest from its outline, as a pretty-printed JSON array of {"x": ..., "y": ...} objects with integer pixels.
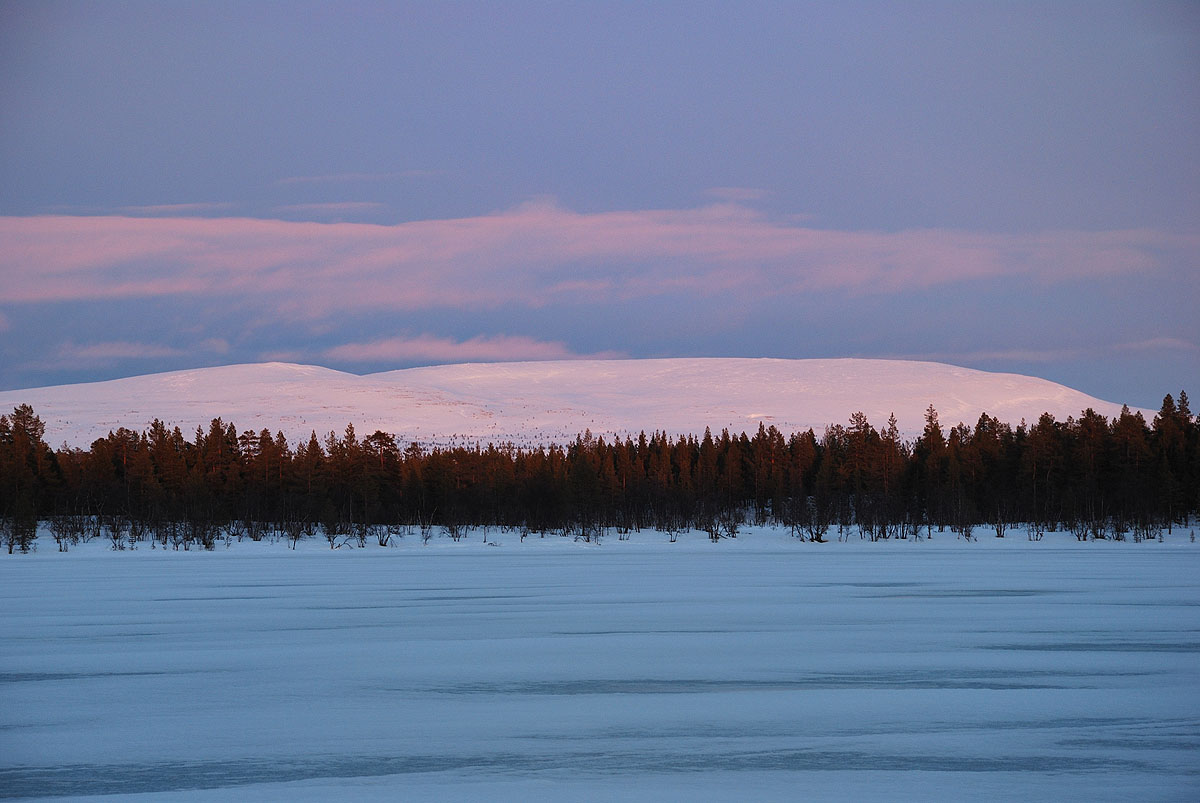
[{"x": 540, "y": 402}]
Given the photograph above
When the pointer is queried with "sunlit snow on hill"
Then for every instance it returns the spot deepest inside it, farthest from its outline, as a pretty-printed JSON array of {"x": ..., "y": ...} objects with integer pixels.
[{"x": 542, "y": 402}]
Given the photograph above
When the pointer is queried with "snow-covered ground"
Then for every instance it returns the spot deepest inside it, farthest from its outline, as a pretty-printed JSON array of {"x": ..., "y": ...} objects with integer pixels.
[
  {"x": 761, "y": 668},
  {"x": 543, "y": 402}
]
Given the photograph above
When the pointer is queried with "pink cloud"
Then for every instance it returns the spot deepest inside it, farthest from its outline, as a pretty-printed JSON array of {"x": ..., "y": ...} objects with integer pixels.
[
  {"x": 498, "y": 348},
  {"x": 535, "y": 254}
]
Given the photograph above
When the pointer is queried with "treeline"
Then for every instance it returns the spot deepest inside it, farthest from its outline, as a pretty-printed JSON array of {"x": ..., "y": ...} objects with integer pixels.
[{"x": 1098, "y": 478}]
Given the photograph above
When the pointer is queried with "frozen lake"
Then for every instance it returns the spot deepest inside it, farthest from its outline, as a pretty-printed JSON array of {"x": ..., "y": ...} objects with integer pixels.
[{"x": 762, "y": 668}]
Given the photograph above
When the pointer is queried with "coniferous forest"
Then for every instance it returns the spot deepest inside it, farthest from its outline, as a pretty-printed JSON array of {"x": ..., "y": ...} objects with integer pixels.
[{"x": 1124, "y": 478}]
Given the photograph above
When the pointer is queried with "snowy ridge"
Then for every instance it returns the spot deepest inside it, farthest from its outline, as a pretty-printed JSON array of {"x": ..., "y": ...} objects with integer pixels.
[{"x": 543, "y": 402}]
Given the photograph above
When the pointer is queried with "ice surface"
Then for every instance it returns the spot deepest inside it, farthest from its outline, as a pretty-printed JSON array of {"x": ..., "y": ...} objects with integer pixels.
[{"x": 761, "y": 668}]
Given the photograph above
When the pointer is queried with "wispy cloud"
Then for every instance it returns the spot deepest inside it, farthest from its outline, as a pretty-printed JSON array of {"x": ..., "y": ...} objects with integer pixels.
[
  {"x": 114, "y": 350},
  {"x": 72, "y": 355},
  {"x": 995, "y": 355},
  {"x": 336, "y": 206},
  {"x": 497, "y": 348},
  {"x": 736, "y": 194},
  {"x": 215, "y": 345},
  {"x": 336, "y": 211},
  {"x": 284, "y": 355},
  {"x": 535, "y": 254},
  {"x": 177, "y": 209},
  {"x": 348, "y": 178},
  {"x": 1159, "y": 344}
]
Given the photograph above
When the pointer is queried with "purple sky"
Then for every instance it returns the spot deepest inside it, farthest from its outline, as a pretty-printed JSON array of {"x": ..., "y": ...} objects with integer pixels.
[{"x": 1007, "y": 186}]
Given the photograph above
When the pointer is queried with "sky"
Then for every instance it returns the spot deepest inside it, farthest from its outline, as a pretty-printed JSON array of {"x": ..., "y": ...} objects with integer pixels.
[{"x": 1007, "y": 186}]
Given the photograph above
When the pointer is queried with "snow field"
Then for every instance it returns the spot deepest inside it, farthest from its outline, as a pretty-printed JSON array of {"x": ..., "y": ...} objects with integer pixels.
[{"x": 540, "y": 403}]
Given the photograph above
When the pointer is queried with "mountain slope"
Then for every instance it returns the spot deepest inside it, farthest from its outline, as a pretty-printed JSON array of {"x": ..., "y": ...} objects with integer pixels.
[{"x": 539, "y": 402}]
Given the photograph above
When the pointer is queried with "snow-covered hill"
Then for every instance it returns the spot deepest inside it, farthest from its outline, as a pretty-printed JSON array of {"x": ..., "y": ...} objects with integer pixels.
[{"x": 540, "y": 402}]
